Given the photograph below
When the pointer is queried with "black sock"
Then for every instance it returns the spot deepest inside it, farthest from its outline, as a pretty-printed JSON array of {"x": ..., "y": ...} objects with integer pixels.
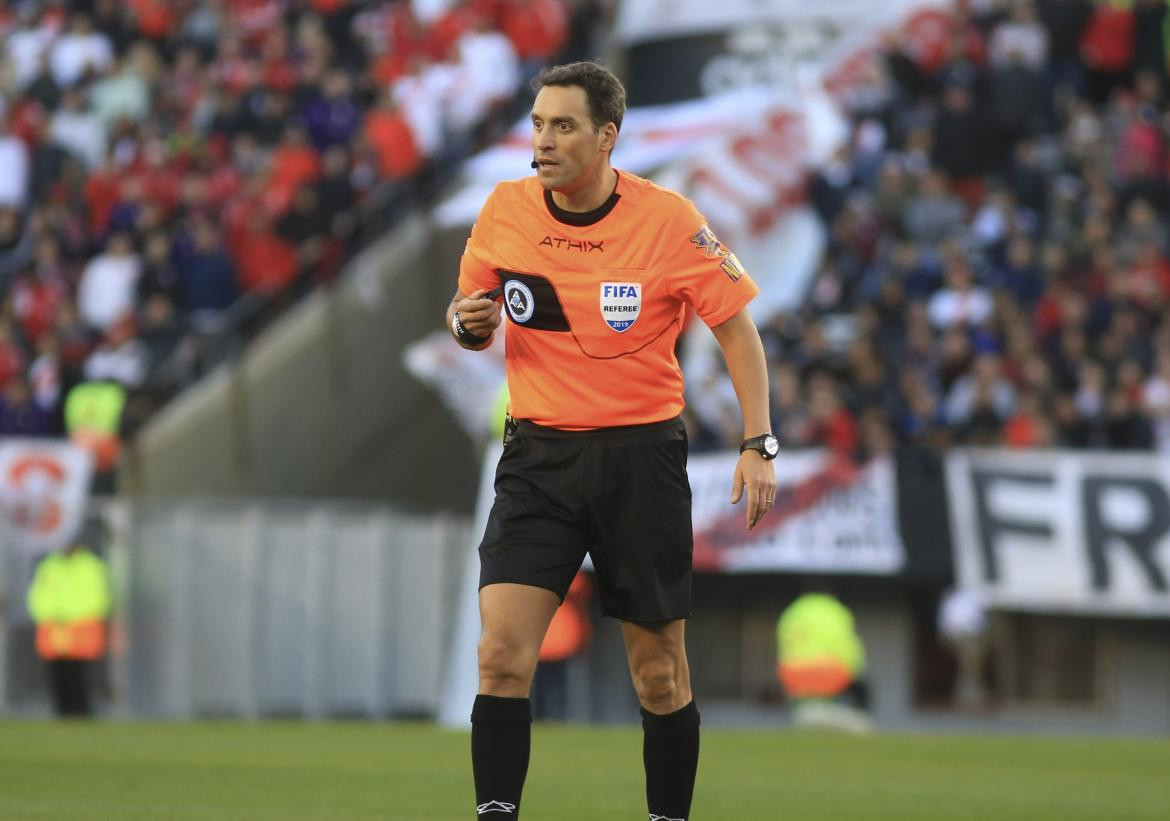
[
  {"x": 670, "y": 751},
  {"x": 501, "y": 736}
]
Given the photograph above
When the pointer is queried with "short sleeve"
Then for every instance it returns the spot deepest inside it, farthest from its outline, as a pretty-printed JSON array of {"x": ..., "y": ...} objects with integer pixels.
[
  {"x": 476, "y": 271},
  {"x": 703, "y": 272}
]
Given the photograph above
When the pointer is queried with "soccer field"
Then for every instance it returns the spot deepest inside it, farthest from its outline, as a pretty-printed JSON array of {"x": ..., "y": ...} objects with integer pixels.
[{"x": 367, "y": 771}]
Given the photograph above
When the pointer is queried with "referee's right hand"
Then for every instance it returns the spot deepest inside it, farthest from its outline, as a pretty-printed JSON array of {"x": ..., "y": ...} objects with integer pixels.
[{"x": 478, "y": 315}]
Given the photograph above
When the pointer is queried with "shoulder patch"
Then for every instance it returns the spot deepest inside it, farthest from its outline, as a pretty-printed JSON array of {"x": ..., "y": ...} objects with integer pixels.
[{"x": 706, "y": 241}]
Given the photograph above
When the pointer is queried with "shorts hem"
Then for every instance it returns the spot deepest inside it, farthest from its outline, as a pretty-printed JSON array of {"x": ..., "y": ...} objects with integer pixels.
[
  {"x": 552, "y": 590},
  {"x": 646, "y": 619}
]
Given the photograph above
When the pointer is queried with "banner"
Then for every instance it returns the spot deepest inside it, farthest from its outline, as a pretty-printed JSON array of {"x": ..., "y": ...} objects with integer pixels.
[
  {"x": 1062, "y": 531},
  {"x": 830, "y": 516},
  {"x": 643, "y": 20},
  {"x": 701, "y": 49},
  {"x": 44, "y": 486}
]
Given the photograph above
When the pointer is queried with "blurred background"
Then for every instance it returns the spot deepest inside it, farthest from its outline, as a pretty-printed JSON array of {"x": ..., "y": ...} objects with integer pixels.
[{"x": 228, "y": 233}]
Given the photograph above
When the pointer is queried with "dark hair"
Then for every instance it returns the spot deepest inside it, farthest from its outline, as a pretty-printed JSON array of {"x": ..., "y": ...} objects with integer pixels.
[{"x": 604, "y": 92}]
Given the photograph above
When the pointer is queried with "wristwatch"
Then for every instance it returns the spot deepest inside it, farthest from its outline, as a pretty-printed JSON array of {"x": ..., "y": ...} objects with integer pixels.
[
  {"x": 465, "y": 336},
  {"x": 766, "y": 445}
]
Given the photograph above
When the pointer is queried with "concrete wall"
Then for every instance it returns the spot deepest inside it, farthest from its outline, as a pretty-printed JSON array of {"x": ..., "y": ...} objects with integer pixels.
[{"x": 320, "y": 404}]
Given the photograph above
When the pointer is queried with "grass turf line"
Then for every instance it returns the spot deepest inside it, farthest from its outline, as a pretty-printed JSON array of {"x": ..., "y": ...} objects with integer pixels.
[{"x": 254, "y": 771}]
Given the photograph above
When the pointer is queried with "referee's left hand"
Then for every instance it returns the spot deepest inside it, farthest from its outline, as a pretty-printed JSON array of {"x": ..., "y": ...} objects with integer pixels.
[{"x": 759, "y": 476}]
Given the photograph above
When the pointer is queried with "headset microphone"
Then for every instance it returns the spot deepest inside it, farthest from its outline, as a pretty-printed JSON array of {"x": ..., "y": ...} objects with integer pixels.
[{"x": 534, "y": 165}]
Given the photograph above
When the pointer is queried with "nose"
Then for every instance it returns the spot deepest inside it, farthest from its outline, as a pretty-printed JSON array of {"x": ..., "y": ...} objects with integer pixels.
[{"x": 542, "y": 138}]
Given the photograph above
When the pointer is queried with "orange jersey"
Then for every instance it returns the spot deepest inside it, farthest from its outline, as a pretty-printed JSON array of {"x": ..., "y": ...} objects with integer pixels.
[{"x": 595, "y": 301}]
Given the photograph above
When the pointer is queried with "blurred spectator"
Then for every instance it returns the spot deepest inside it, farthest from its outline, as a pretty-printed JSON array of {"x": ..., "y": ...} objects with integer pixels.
[
  {"x": 78, "y": 130},
  {"x": 27, "y": 45},
  {"x": 14, "y": 181},
  {"x": 120, "y": 357},
  {"x": 106, "y": 292},
  {"x": 207, "y": 283},
  {"x": 333, "y": 116},
  {"x": 932, "y": 213},
  {"x": 1020, "y": 38},
  {"x": 961, "y": 301},
  {"x": 19, "y": 414},
  {"x": 1107, "y": 48},
  {"x": 80, "y": 52},
  {"x": 392, "y": 139}
]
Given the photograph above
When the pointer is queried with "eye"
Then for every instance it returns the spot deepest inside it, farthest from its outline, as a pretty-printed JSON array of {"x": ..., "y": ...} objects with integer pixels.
[
  {"x": 565, "y": 126},
  {"x": 536, "y": 124}
]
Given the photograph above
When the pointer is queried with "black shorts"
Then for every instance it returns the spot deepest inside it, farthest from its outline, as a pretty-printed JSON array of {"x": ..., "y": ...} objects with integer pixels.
[{"x": 620, "y": 494}]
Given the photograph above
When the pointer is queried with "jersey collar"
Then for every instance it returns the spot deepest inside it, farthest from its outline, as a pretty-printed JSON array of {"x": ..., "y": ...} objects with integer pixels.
[{"x": 580, "y": 218}]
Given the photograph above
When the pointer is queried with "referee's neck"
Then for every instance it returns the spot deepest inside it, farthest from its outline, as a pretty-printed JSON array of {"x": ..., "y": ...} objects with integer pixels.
[{"x": 591, "y": 195}]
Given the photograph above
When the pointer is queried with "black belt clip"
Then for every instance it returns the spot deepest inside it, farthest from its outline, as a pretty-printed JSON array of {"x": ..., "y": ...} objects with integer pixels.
[{"x": 510, "y": 428}]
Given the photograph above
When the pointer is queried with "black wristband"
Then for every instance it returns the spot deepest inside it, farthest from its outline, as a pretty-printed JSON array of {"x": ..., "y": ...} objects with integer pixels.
[{"x": 465, "y": 336}]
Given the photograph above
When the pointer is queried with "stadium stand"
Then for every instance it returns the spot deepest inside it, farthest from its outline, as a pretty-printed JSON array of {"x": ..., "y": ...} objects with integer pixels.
[
  {"x": 998, "y": 244},
  {"x": 177, "y": 172}
]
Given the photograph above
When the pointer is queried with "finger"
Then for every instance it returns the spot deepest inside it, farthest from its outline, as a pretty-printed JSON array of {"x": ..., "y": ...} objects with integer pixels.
[
  {"x": 736, "y": 486},
  {"x": 753, "y": 508},
  {"x": 473, "y": 307}
]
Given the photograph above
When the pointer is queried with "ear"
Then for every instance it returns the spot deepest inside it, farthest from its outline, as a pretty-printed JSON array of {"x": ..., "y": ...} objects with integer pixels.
[{"x": 608, "y": 136}]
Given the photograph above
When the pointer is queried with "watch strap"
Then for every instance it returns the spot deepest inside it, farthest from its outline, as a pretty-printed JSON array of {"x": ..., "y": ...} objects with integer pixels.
[{"x": 759, "y": 444}]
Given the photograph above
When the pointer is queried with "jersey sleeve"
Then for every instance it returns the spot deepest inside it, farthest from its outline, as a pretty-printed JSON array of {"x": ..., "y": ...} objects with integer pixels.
[
  {"x": 704, "y": 273},
  {"x": 476, "y": 271}
]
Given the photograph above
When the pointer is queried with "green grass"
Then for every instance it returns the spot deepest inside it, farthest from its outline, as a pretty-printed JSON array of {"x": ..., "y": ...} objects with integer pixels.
[{"x": 396, "y": 771}]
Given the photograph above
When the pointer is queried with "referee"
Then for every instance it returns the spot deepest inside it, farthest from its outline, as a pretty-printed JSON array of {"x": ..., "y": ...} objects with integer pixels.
[{"x": 595, "y": 269}]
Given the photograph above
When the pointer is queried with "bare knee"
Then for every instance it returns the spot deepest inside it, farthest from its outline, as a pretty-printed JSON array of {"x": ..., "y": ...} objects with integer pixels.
[
  {"x": 505, "y": 668},
  {"x": 660, "y": 685}
]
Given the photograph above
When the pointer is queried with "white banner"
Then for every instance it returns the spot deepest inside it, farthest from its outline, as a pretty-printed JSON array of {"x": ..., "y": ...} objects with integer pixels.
[
  {"x": 830, "y": 516},
  {"x": 44, "y": 486},
  {"x": 1062, "y": 531},
  {"x": 641, "y": 20}
]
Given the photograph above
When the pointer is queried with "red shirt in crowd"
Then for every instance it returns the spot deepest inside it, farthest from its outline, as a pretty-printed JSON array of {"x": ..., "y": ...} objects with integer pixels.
[
  {"x": 1107, "y": 41},
  {"x": 267, "y": 264},
  {"x": 537, "y": 28},
  {"x": 34, "y": 303},
  {"x": 11, "y": 362},
  {"x": 393, "y": 142},
  {"x": 292, "y": 166},
  {"x": 156, "y": 18}
]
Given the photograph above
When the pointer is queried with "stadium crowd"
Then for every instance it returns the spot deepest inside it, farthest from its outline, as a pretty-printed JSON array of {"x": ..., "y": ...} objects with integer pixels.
[
  {"x": 998, "y": 242},
  {"x": 162, "y": 158}
]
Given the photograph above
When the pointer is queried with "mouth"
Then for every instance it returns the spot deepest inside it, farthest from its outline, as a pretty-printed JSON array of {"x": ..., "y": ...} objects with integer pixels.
[{"x": 546, "y": 164}]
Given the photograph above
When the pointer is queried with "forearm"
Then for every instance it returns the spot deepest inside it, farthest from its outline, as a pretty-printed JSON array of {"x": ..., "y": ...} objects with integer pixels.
[{"x": 748, "y": 369}]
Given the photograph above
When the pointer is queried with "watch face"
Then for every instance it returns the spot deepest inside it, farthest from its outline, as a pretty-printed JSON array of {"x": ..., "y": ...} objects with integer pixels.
[{"x": 772, "y": 445}]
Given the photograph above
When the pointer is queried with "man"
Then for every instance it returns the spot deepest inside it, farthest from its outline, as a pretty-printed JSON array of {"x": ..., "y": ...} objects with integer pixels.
[{"x": 597, "y": 269}]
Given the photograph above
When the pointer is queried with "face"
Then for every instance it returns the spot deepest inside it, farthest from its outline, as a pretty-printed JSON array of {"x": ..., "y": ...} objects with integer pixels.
[{"x": 570, "y": 151}]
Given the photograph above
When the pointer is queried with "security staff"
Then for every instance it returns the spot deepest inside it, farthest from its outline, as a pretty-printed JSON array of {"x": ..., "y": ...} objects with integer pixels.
[
  {"x": 596, "y": 269},
  {"x": 819, "y": 654},
  {"x": 69, "y": 600}
]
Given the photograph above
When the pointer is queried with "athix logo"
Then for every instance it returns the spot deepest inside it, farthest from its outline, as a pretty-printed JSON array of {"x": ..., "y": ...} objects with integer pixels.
[
  {"x": 585, "y": 246},
  {"x": 621, "y": 302},
  {"x": 654, "y": 817},
  {"x": 519, "y": 300},
  {"x": 503, "y": 806}
]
